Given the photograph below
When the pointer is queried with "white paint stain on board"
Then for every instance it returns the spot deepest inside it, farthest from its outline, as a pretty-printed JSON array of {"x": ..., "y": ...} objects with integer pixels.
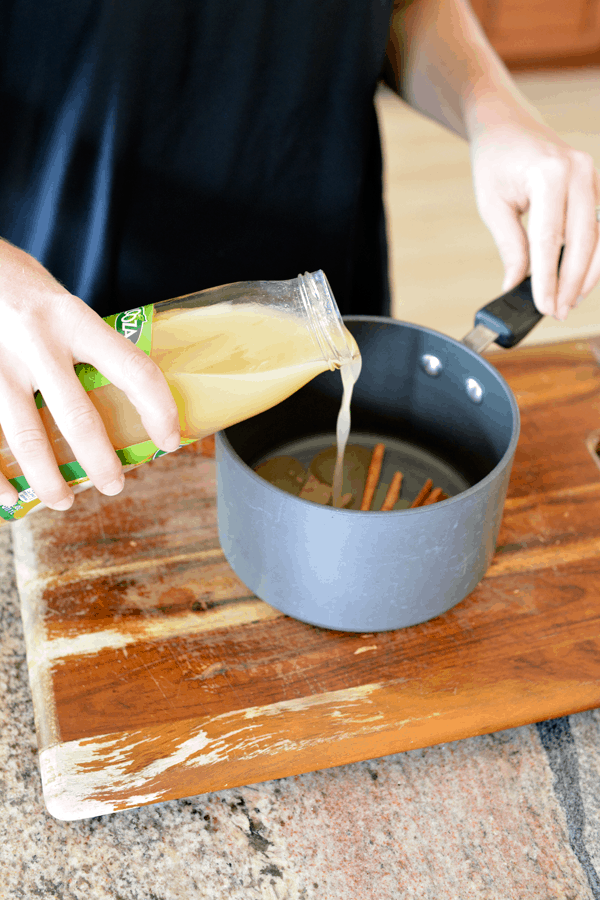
[
  {"x": 354, "y": 695},
  {"x": 157, "y": 628},
  {"x": 74, "y": 772},
  {"x": 92, "y": 777}
]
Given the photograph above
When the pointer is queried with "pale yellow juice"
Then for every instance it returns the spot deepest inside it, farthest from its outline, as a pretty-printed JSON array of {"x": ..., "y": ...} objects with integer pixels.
[
  {"x": 244, "y": 360},
  {"x": 223, "y": 364},
  {"x": 350, "y": 373}
]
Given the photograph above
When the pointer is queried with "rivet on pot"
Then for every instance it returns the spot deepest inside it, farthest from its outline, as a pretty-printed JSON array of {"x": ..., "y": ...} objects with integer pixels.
[
  {"x": 431, "y": 365},
  {"x": 474, "y": 390}
]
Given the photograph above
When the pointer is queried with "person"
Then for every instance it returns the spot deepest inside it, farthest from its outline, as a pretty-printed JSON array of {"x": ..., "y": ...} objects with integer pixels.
[{"x": 153, "y": 149}]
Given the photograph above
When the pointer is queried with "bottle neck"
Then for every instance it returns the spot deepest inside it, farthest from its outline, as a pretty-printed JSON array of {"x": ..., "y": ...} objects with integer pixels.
[{"x": 324, "y": 319}]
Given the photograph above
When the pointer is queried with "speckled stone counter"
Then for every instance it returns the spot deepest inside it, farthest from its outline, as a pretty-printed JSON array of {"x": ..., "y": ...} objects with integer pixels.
[{"x": 515, "y": 814}]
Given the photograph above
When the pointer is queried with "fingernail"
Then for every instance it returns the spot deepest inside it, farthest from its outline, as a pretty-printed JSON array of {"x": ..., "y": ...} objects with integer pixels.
[
  {"x": 115, "y": 487},
  {"x": 578, "y": 301},
  {"x": 7, "y": 500},
  {"x": 62, "y": 505},
  {"x": 172, "y": 442}
]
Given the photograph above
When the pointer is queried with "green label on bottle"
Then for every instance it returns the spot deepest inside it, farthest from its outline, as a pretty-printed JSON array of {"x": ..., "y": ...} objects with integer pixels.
[
  {"x": 74, "y": 474},
  {"x": 71, "y": 472},
  {"x": 136, "y": 326}
]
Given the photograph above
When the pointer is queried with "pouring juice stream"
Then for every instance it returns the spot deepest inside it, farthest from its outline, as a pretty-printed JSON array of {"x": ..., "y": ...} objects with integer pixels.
[{"x": 349, "y": 372}]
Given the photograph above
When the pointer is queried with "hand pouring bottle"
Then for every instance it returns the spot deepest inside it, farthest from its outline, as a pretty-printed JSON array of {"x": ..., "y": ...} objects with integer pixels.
[{"x": 227, "y": 353}]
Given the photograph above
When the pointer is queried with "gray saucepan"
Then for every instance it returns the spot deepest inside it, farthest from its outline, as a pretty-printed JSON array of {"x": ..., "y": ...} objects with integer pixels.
[{"x": 442, "y": 410}]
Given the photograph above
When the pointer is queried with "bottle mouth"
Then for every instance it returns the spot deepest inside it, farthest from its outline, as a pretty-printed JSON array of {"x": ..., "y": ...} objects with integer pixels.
[{"x": 325, "y": 320}]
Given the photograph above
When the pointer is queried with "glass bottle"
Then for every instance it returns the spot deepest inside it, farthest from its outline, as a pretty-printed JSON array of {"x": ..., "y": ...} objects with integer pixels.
[{"x": 227, "y": 353}]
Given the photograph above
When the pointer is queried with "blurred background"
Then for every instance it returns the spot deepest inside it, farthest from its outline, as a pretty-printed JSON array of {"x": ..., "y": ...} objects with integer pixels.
[{"x": 443, "y": 262}]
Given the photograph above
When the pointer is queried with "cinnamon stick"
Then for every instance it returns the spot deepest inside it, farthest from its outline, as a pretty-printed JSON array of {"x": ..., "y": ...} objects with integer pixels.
[
  {"x": 373, "y": 476},
  {"x": 422, "y": 495},
  {"x": 435, "y": 495},
  {"x": 393, "y": 493}
]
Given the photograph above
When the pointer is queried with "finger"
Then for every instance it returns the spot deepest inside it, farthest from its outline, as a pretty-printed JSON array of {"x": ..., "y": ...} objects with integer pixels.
[
  {"x": 79, "y": 422},
  {"x": 593, "y": 273},
  {"x": 504, "y": 223},
  {"x": 131, "y": 370},
  {"x": 548, "y": 192},
  {"x": 28, "y": 442},
  {"x": 581, "y": 232},
  {"x": 8, "y": 494}
]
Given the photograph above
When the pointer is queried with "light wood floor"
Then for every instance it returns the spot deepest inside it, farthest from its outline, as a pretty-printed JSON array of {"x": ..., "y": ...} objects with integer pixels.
[{"x": 444, "y": 264}]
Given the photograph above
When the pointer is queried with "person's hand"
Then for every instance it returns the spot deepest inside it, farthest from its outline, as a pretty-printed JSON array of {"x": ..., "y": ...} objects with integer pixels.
[
  {"x": 522, "y": 166},
  {"x": 44, "y": 331},
  {"x": 444, "y": 65}
]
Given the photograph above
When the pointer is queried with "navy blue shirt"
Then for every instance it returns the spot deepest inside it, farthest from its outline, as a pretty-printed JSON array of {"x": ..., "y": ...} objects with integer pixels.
[{"x": 151, "y": 148}]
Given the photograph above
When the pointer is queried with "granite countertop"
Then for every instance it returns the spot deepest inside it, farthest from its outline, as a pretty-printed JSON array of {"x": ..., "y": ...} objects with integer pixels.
[{"x": 509, "y": 815}]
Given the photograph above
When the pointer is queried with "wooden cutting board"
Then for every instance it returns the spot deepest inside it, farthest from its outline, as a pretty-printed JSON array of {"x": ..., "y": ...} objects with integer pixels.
[{"x": 156, "y": 674}]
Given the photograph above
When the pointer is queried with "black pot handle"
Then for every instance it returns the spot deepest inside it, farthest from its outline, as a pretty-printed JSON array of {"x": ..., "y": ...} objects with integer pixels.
[{"x": 512, "y": 316}]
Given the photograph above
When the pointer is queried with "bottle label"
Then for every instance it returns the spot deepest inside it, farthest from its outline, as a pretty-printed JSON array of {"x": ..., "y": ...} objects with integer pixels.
[{"x": 136, "y": 326}]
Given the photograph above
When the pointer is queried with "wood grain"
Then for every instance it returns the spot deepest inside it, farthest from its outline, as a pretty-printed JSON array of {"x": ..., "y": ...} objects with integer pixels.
[{"x": 156, "y": 674}]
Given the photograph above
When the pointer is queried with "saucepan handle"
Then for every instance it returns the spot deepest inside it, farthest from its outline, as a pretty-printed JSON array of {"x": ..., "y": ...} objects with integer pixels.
[{"x": 511, "y": 316}]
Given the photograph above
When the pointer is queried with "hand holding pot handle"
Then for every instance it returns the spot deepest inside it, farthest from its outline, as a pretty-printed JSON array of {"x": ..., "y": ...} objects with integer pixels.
[{"x": 513, "y": 315}]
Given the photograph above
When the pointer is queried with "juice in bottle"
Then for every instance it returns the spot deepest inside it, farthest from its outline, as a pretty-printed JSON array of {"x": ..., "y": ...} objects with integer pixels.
[{"x": 227, "y": 354}]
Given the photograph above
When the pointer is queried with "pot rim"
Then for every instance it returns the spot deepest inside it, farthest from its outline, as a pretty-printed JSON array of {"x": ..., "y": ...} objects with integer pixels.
[{"x": 224, "y": 444}]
